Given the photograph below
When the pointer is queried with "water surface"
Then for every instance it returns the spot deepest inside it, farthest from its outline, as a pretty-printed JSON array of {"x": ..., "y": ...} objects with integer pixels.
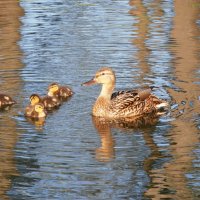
[{"x": 71, "y": 155}]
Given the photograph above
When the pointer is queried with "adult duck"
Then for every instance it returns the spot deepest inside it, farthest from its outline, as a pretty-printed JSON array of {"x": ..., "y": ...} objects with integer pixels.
[{"x": 122, "y": 104}]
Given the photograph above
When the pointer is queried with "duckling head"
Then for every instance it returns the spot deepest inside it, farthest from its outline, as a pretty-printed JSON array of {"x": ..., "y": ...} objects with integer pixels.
[
  {"x": 39, "y": 108},
  {"x": 54, "y": 87},
  {"x": 34, "y": 99},
  {"x": 103, "y": 76}
]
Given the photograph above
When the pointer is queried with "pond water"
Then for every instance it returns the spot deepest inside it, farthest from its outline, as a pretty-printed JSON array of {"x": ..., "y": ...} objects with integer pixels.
[{"x": 72, "y": 155}]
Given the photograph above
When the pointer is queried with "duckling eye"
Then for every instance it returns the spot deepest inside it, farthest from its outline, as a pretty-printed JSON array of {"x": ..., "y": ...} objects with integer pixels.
[
  {"x": 103, "y": 73},
  {"x": 40, "y": 107}
]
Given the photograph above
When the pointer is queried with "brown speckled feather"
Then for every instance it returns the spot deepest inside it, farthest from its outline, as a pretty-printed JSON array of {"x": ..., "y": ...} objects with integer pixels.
[{"x": 130, "y": 103}]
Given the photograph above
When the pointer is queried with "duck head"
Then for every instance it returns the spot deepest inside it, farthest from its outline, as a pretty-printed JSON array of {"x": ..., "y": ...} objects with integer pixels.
[{"x": 103, "y": 76}]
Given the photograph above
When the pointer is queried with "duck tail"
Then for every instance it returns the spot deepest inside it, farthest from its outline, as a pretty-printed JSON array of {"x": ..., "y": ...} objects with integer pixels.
[
  {"x": 162, "y": 108},
  {"x": 162, "y": 105}
]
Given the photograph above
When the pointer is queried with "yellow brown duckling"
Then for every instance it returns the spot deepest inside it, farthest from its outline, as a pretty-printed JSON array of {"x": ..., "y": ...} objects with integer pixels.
[
  {"x": 48, "y": 102},
  {"x": 122, "y": 104},
  {"x": 34, "y": 99},
  {"x": 62, "y": 92},
  {"x": 35, "y": 111},
  {"x": 6, "y": 101}
]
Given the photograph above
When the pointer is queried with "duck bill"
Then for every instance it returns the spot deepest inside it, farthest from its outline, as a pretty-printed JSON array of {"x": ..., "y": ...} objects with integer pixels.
[{"x": 91, "y": 82}]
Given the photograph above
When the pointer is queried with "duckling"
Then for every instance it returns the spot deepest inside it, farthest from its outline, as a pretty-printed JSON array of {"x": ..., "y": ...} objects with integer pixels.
[
  {"x": 62, "y": 92},
  {"x": 34, "y": 99},
  {"x": 6, "y": 101},
  {"x": 36, "y": 111},
  {"x": 49, "y": 102},
  {"x": 122, "y": 104}
]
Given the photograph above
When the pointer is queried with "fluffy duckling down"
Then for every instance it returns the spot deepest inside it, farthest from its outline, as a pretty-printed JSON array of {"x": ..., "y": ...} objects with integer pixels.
[
  {"x": 48, "y": 102},
  {"x": 6, "y": 101},
  {"x": 35, "y": 111},
  {"x": 62, "y": 92}
]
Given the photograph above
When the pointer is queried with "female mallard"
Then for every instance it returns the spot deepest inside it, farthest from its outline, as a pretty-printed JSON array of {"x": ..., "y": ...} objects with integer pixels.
[
  {"x": 6, "y": 100},
  {"x": 35, "y": 111},
  {"x": 62, "y": 92},
  {"x": 48, "y": 102},
  {"x": 122, "y": 104}
]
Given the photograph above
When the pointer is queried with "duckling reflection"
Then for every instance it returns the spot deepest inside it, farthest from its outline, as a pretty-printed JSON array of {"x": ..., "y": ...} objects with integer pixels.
[
  {"x": 36, "y": 122},
  {"x": 106, "y": 152}
]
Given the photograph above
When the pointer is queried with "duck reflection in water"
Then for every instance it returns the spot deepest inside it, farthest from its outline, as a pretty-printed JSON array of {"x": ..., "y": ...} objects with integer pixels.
[{"x": 106, "y": 152}]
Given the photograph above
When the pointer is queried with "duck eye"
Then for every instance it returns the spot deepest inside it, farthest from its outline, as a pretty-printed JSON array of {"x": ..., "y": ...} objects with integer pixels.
[{"x": 103, "y": 73}]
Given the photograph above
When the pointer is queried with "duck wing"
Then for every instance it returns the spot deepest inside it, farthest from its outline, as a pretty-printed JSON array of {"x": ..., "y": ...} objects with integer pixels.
[
  {"x": 126, "y": 103},
  {"x": 143, "y": 93},
  {"x": 131, "y": 103},
  {"x": 122, "y": 93}
]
